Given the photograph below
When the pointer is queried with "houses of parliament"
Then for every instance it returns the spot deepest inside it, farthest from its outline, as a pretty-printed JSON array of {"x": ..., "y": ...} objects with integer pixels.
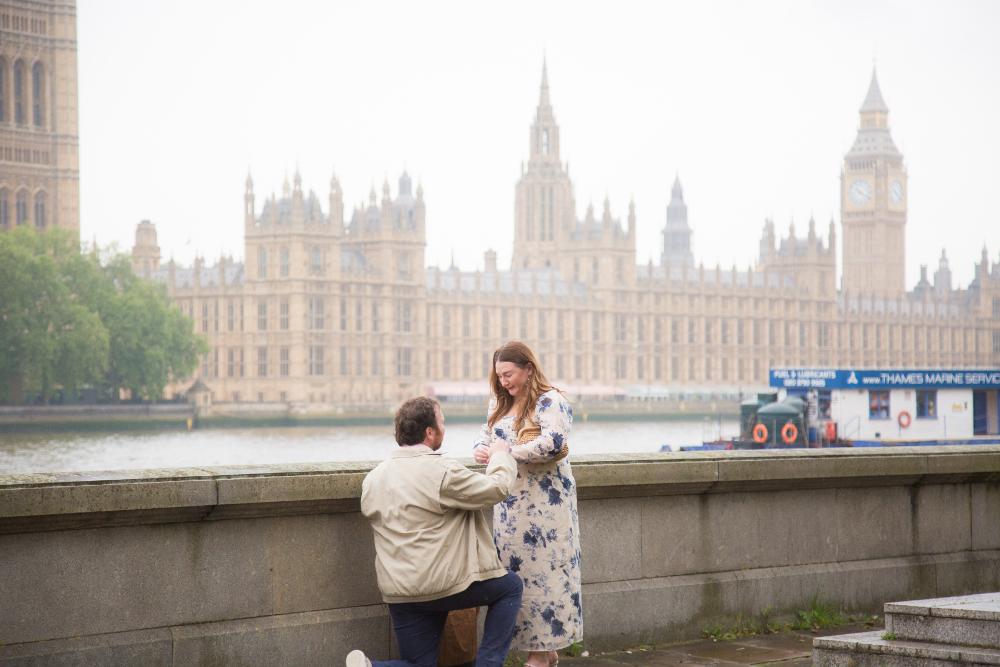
[{"x": 334, "y": 309}]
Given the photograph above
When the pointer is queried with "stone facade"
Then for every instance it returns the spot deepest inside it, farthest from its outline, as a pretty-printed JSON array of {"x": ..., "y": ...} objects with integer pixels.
[
  {"x": 326, "y": 312},
  {"x": 39, "y": 148}
]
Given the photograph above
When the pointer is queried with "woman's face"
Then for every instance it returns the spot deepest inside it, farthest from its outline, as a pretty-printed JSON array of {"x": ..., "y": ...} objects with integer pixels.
[{"x": 512, "y": 377}]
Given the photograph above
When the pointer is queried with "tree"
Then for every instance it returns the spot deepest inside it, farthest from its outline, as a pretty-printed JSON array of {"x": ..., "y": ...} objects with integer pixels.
[
  {"x": 67, "y": 321},
  {"x": 47, "y": 336}
]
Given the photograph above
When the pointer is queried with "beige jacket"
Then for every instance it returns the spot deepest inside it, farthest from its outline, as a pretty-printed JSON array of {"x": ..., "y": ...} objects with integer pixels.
[{"x": 432, "y": 538}]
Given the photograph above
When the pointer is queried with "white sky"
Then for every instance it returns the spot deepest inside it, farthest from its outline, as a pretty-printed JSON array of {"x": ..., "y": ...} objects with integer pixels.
[{"x": 754, "y": 104}]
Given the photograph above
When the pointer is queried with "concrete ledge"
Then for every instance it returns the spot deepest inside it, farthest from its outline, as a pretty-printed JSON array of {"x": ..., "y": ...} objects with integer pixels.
[
  {"x": 310, "y": 488},
  {"x": 310, "y": 638}
]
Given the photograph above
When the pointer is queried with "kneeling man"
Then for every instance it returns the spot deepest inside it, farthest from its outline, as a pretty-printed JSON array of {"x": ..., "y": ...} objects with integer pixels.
[{"x": 434, "y": 549}]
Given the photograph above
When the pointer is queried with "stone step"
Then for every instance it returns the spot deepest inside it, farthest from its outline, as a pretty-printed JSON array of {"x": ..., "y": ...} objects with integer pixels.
[
  {"x": 868, "y": 649},
  {"x": 968, "y": 620}
]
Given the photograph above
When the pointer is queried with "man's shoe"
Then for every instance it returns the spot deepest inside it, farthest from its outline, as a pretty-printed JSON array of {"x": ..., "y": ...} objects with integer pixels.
[{"x": 357, "y": 658}]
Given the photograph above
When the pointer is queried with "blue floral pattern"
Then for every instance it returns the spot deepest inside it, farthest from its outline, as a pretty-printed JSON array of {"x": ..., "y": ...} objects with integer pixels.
[{"x": 537, "y": 529}]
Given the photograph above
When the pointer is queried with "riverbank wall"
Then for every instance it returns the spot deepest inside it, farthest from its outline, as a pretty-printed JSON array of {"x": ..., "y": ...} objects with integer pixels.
[
  {"x": 274, "y": 564},
  {"x": 181, "y": 416}
]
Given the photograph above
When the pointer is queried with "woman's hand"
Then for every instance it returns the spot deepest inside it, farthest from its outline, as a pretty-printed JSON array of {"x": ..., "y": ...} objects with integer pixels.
[{"x": 481, "y": 454}]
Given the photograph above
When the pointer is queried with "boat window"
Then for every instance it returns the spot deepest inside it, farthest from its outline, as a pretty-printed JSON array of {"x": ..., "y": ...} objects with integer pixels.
[
  {"x": 824, "y": 403},
  {"x": 926, "y": 404},
  {"x": 878, "y": 404}
]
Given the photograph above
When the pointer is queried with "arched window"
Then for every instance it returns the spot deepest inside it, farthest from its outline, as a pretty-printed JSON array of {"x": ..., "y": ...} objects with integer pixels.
[
  {"x": 38, "y": 94},
  {"x": 261, "y": 262},
  {"x": 40, "y": 210},
  {"x": 21, "y": 207},
  {"x": 3, "y": 90},
  {"x": 4, "y": 208},
  {"x": 19, "y": 110}
]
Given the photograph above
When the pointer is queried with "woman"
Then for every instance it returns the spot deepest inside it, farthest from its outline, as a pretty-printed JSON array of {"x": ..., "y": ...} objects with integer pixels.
[{"x": 536, "y": 528}]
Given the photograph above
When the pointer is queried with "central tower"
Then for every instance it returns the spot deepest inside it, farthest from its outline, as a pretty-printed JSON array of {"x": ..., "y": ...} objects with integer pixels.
[
  {"x": 873, "y": 205},
  {"x": 544, "y": 211}
]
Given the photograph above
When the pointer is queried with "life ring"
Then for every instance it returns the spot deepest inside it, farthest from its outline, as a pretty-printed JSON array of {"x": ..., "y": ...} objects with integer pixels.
[
  {"x": 903, "y": 418},
  {"x": 760, "y": 434},
  {"x": 789, "y": 432}
]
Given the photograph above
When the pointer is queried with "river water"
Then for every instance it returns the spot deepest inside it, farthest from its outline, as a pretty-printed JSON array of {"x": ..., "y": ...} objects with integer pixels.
[{"x": 64, "y": 452}]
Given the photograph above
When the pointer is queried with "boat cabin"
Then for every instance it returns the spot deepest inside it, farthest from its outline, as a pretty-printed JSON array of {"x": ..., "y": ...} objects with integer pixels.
[{"x": 895, "y": 405}]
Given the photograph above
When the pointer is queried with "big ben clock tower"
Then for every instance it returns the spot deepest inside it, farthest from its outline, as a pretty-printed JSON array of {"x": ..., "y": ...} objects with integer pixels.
[{"x": 873, "y": 205}]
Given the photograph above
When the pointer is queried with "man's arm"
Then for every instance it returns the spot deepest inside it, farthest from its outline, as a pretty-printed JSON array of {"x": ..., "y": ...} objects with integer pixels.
[{"x": 465, "y": 489}]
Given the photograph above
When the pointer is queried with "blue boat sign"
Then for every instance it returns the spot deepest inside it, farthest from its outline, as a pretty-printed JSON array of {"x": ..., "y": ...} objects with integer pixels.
[{"x": 840, "y": 378}]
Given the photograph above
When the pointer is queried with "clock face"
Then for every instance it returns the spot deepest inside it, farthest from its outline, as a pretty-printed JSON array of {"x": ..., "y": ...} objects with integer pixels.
[
  {"x": 896, "y": 192},
  {"x": 860, "y": 192}
]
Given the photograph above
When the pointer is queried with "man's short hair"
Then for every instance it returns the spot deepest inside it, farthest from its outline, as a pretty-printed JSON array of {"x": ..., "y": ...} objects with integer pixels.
[{"x": 413, "y": 418}]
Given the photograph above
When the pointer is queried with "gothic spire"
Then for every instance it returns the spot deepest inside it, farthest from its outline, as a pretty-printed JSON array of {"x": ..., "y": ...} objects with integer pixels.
[{"x": 873, "y": 100}]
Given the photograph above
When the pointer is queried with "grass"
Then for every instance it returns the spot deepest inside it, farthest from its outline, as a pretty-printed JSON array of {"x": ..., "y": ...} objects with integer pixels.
[
  {"x": 819, "y": 615},
  {"x": 889, "y": 636}
]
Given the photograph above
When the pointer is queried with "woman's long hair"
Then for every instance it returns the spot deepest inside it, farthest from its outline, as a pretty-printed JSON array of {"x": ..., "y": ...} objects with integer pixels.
[{"x": 521, "y": 356}]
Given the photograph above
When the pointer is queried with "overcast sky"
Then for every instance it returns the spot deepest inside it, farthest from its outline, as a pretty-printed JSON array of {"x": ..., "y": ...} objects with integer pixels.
[{"x": 753, "y": 104}]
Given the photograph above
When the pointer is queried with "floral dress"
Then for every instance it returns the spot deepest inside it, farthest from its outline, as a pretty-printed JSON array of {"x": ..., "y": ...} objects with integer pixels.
[{"x": 537, "y": 531}]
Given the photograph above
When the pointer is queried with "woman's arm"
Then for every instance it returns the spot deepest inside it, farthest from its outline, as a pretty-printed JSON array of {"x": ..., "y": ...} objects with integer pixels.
[
  {"x": 481, "y": 445},
  {"x": 485, "y": 437},
  {"x": 555, "y": 418}
]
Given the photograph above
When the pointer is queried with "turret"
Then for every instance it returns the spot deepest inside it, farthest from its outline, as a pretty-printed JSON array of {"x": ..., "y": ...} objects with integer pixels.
[
  {"x": 249, "y": 214},
  {"x": 631, "y": 218},
  {"x": 146, "y": 251},
  {"x": 942, "y": 277},
  {"x": 767, "y": 241},
  {"x": 336, "y": 207}
]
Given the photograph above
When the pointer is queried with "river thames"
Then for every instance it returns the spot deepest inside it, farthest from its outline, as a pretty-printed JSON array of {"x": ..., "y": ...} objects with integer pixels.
[{"x": 64, "y": 452}]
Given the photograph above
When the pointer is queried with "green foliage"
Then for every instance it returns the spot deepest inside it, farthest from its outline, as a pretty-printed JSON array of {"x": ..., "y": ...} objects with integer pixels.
[
  {"x": 67, "y": 322},
  {"x": 818, "y": 616},
  {"x": 574, "y": 650},
  {"x": 889, "y": 636},
  {"x": 745, "y": 626}
]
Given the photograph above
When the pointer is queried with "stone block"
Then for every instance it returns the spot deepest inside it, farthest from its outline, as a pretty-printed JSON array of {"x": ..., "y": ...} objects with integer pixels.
[
  {"x": 623, "y": 478},
  {"x": 733, "y": 531},
  {"x": 985, "y": 511},
  {"x": 860, "y": 586},
  {"x": 784, "y": 470},
  {"x": 628, "y": 613},
  {"x": 675, "y": 539},
  {"x": 143, "y": 647},
  {"x": 289, "y": 488},
  {"x": 611, "y": 539},
  {"x": 868, "y": 648},
  {"x": 81, "y": 582},
  {"x": 107, "y": 496},
  {"x": 874, "y": 522},
  {"x": 942, "y": 521},
  {"x": 321, "y": 562},
  {"x": 963, "y": 631},
  {"x": 304, "y": 639},
  {"x": 965, "y": 574}
]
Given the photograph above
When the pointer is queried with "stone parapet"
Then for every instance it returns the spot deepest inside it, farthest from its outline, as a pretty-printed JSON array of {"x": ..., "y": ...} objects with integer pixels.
[{"x": 268, "y": 564}]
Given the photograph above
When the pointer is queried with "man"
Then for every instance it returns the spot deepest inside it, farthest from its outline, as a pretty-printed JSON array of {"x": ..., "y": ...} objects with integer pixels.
[{"x": 434, "y": 549}]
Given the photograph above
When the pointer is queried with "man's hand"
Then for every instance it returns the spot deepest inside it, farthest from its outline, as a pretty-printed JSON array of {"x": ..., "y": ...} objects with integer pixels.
[
  {"x": 481, "y": 454},
  {"x": 499, "y": 446}
]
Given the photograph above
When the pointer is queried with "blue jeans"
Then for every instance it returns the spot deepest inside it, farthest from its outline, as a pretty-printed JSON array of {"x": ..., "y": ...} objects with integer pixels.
[{"x": 418, "y": 625}]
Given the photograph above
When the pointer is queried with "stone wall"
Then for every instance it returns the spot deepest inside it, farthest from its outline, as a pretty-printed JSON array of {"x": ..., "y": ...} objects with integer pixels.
[{"x": 273, "y": 565}]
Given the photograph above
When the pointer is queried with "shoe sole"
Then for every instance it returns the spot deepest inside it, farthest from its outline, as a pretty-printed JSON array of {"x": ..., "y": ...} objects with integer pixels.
[{"x": 357, "y": 658}]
